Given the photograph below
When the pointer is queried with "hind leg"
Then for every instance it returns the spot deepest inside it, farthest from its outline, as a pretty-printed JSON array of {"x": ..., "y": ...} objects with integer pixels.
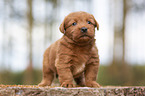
[
  {"x": 80, "y": 81},
  {"x": 48, "y": 74},
  {"x": 48, "y": 77}
]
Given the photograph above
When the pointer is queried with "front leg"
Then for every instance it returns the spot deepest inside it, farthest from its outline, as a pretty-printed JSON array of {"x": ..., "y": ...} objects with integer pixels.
[
  {"x": 91, "y": 73},
  {"x": 64, "y": 72}
]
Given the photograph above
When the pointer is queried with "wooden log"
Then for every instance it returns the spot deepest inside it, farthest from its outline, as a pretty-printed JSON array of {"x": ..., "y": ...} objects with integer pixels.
[{"x": 34, "y": 90}]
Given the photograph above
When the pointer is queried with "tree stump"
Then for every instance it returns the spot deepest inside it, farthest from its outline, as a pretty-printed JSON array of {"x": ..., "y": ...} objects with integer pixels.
[{"x": 34, "y": 90}]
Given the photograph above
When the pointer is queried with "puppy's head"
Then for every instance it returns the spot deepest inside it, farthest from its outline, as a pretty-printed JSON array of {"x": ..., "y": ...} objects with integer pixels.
[{"x": 79, "y": 26}]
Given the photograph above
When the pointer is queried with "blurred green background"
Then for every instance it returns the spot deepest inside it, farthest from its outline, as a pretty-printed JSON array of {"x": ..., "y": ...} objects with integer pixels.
[{"x": 28, "y": 27}]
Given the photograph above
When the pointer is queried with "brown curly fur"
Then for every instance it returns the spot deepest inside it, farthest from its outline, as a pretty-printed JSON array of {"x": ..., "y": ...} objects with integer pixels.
[{"x": 74, "y": 56}]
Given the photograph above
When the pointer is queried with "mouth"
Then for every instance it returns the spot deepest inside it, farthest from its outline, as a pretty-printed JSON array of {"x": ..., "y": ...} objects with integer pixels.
[{"x": 84, "y": 36}]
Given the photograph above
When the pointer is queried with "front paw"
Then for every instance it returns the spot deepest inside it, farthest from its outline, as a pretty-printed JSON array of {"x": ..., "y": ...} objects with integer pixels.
[
  {"x": 92, "y": 84},
  {"x": 67, "y": 84}
]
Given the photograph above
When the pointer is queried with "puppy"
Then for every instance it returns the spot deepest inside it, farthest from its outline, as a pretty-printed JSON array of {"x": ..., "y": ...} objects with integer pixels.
[{"x": 74, "y": 56}]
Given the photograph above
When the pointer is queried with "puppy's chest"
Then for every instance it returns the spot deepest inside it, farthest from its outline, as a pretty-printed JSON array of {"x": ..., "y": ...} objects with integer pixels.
[
  {"x": 79, "y": 62},
  {"x": 79, "y": 68}
]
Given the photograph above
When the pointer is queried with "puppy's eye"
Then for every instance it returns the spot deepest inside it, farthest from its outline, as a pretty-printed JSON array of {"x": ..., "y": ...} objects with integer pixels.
[
  {"x": 74, "y": 23},
  {"x": 89, "y": 22}
]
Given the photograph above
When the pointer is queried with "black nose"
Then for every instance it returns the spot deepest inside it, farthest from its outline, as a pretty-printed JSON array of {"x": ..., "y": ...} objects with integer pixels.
[{"x": 84, "y": 29}]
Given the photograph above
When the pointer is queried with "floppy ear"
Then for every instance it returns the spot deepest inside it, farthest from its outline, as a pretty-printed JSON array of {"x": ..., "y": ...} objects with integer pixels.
[
  {"x": 96, "y": 23},
  {"x": 62, "y": 27}
]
